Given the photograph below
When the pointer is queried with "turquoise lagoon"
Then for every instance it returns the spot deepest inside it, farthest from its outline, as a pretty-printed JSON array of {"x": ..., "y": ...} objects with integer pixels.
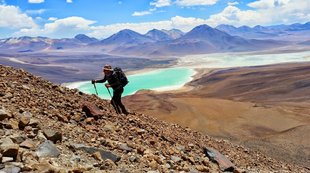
[{"x": 160, "y": 80}]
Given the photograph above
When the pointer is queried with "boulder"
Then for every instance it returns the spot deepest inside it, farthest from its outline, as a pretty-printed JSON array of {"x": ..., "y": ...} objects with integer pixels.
[
  {"x": 9, "y": 150},
  {"x": 220, "y": 159},
  {"x": 91, "y": 150},
  {"x": 11, "y": 124},
  {"x": 52, "y": 135},
  {"x": 47, "y": 149},
  {"x": 11, "y": 169},
  {"x": 124, "y": 147},
  {"x": 17, "y": 139},
  {"x": 4, "y": 114},
  {"x": 23, "y": 122},
  {"x": 29, "y": 144},
  {"x": 91, "y": 110}
]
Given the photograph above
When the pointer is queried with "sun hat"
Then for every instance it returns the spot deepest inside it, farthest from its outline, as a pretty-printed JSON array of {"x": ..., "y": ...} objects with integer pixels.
[{"x": 107, "y": 68}]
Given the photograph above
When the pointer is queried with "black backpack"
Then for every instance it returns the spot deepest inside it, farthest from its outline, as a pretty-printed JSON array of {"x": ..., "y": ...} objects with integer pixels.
[{"x": 121, "y": 76}]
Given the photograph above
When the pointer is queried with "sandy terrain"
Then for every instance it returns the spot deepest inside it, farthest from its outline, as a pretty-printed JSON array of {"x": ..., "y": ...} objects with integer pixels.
[{"x": 265, "y": 108}]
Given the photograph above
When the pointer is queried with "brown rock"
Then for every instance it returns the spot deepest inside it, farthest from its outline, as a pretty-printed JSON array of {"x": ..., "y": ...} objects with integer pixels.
[
  {"x": 89, "y": 120},
  {"x": 152, "y": 142},
  {"x": 91, "y": 110},
  {"x": 9, "y": 150},
  {"x": 141, "y": 131},
  {"x": 27, "y": 144},
  {"x": 153, "y": 164},
  {"x": 62, "y": 118},
  {"x": 97, "y": 156},
  {"x": 238, "y": 170},
  {"x": 23, "y": 122},
  {"x": 44, "y": 167},
  {"x": 52, "y": 135},
  {"x": 109, "y": 164},
  {"x": 140, "y": 150},
  {"x": 4, "y": 114},
  {"x": 34, "y": 123},
  {"x": 202, "y": 168},
  {"x": 11, "y": 124}
]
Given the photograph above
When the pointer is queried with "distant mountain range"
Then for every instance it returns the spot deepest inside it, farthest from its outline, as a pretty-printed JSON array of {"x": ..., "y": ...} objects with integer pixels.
[
  {"x": 284, "y": 32},
  {"x": 201, "y": 39}
]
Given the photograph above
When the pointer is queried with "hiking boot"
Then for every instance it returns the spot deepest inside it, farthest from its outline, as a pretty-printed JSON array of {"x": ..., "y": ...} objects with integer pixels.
[{"x": 124, "y": 111}]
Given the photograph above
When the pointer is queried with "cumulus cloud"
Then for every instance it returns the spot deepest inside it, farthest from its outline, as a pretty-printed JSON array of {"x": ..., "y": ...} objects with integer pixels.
[
  {"x": 232, "y": 3},
  {"x": 195, "y": 2},
  {"x": 161, "y": 3},
  {"x": 69, "y": 1},
  {"x": 12, "y": 17},
  {"x": 266, "y": 12},
  {"x": 143, "y": 13},
  {"x": 60, "y": 28},
  {"x": 281, "y": 12},
  {"x": 263, "y": 4},
  {"x": 35, "y": 1}
]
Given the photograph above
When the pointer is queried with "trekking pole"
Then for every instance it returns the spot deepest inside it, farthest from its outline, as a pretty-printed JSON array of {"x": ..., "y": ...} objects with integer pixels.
[
  {"x": 95, "y": 88},
  {"x": 113, "y": 103}
]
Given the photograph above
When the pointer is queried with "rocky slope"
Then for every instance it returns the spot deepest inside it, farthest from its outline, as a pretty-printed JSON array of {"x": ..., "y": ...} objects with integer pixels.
[{"x": 43, "y": 128}]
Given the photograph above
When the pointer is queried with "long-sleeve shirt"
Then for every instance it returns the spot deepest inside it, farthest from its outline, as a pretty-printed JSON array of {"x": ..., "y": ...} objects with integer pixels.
[{"x": 112, "y": 80}]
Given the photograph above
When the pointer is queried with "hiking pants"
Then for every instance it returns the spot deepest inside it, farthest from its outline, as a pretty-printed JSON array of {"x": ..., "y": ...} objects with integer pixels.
[{"x": 117, "y": 102}]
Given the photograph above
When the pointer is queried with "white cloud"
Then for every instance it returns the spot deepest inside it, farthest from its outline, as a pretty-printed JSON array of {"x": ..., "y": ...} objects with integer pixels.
[
  {"x": 35, "y": 1},
  {"x": 60, "y": 28},
  {"x": 262, "y": 4},
  {"x": 69, "y": 1},
  {"x": 161, "y": 3},
  {"x": 195, "y": 2},
  {"x": 266, "y": 12},
  {"x": 33, "y": 12},
  {"x": 141, "y": 13},
  {"x": 52, "y": 18},
  {"x": 282, "y": 12},
  {"x": 12, "y": 17},
  {"x": 232, "y": 3}
]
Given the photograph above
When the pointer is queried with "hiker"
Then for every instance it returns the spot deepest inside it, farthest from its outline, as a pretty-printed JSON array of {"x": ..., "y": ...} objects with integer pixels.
[{"x": 118, "y": 88}]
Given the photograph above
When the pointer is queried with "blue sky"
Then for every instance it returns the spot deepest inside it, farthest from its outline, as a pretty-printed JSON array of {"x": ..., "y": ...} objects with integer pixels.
[{"x": 101, "y": 18}]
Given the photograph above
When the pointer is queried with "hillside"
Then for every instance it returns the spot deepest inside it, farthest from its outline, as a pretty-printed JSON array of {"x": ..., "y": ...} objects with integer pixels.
[
  {"x": 33, "y": 109},
  {"x": 262, "y": 107}
]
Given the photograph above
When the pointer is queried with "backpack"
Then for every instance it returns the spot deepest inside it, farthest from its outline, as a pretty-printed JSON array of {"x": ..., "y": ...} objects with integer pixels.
[{"x": 121, "y": 76}]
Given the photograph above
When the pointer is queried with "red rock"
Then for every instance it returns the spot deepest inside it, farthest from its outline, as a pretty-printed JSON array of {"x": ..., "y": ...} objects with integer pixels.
[{"x": 91, "y": 110}]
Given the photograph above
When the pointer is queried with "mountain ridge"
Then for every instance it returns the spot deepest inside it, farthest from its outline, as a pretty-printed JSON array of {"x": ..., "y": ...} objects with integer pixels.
[{"x": 201, "y": 39}]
